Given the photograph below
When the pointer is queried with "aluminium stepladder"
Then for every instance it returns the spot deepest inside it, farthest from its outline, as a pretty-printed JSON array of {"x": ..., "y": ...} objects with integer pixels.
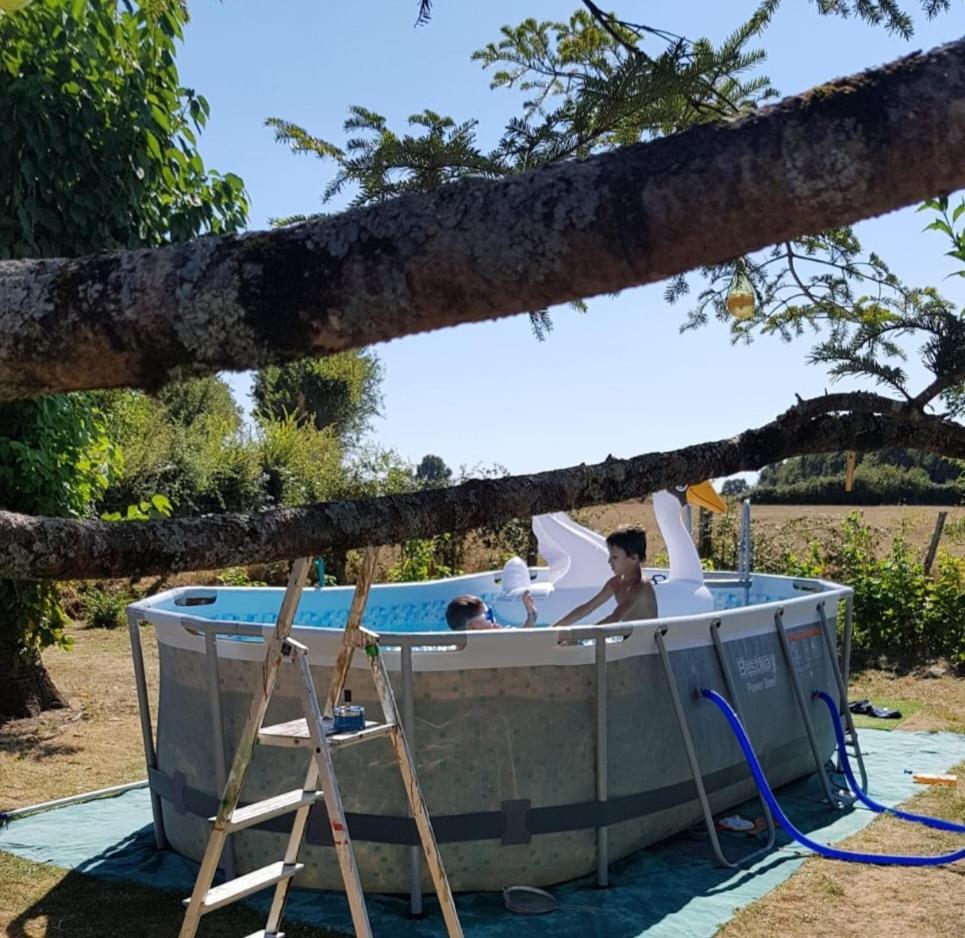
[{"x": 309, "y": 732}]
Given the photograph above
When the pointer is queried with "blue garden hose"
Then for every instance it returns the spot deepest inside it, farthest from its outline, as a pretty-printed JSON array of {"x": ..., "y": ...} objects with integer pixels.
[
  {"x": 830, "y": 852},
  {"x": 935, "y": 822}
]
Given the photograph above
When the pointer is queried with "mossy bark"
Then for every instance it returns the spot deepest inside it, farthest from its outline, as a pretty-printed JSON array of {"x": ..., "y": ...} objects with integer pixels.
[{"x": 477, "y": 249}]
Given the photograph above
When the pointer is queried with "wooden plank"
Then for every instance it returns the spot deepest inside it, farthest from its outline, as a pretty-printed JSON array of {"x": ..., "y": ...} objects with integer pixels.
[
  {"x": 258, "y": 811},
  {"x": 353, "y": 630},
  {"x": 242, "y": 760},
  {"x": 417, "y": 805},
  {"x": 250, "y": 883}
]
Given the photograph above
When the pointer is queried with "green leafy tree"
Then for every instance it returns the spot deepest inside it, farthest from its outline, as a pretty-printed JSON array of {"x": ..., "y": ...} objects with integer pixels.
[
  {"x": 340, "y": 392},
  {"x": 98, "y": 150},
  {"x": 735, "y": 488},
  {"x": 432, "y": 470}
]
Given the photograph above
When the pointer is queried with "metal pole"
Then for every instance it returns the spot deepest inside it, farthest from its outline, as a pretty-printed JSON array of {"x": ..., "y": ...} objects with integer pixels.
[
  {"x": 408, "y": 725},
  {"x": 86, "y": 796},
  {"x": 144, "y": 710},
  {"x": 602, "y": 855},
  {"x": 848, "y": 631},
  {"x": 802, "y": 704},
  {"x": 746, "y": 549},
  {"x": 217, "y": 736},
  {"x": 843, "y": 708},
  {"x": 735, "y": 702},
  {"x": 689, "y": 747}
]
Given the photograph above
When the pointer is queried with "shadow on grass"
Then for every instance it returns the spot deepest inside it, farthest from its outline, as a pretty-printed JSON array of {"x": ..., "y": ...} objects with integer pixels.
[{"x": 82, "y": 906}]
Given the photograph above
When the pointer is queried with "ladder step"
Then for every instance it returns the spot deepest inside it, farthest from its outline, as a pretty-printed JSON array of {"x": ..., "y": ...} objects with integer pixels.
[
  {"x": 261, "y": 933},
  {"x": 252, "y": 882},
  {"x": 258, "y": 811},
  {"x": 295, "y": 733}
]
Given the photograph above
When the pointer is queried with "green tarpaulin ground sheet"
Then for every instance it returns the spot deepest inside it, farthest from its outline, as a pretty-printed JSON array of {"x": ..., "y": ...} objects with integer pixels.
[{"x": 671, "y": 889}]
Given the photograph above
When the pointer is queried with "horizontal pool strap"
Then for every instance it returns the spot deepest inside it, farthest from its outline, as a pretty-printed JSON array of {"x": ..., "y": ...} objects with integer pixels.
[{"x": 517, "y": 822}]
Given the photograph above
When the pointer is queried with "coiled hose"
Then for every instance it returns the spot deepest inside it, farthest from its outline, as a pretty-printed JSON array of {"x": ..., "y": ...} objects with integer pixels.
[
  {"x": 937, "y": 823},
  {"x": 823, "y": 850}
]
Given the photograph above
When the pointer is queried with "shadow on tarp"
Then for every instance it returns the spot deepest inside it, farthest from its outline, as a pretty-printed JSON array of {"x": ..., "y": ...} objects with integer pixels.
[{"x": 671, "y": 889}]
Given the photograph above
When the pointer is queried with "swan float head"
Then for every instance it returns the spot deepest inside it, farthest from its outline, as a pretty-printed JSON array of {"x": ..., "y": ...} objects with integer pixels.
[
  {"x": 683, "y": 592},
  {"x": 701, "y": 495}
]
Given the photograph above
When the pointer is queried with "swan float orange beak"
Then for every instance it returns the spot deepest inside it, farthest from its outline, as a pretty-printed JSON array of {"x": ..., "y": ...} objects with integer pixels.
[{"x": 703, "y": 496}]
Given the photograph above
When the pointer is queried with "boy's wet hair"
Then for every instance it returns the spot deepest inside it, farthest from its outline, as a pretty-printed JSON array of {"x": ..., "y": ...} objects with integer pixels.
[
  {"x": 631, "y": 540},
  {"x": 461, "y": 610}
]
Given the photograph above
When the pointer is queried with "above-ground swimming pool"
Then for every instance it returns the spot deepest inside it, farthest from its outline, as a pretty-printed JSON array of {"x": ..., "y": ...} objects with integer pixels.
[{"x": 544, "y": 754}]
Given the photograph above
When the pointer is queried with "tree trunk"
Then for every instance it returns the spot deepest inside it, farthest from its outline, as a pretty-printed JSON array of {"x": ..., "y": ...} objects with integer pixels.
[
  {"x": 476, "y": 249},
  {"x": 25, "y": 686},
  {"x": 62, "y": 548}
]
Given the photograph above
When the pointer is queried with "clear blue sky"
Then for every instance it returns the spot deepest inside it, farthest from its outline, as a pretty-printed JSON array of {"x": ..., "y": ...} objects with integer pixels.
[{"x": 620, "y": 380}]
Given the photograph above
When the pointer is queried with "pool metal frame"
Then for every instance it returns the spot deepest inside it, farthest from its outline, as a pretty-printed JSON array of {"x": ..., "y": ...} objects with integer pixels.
[{"x": 405, "y": 642}]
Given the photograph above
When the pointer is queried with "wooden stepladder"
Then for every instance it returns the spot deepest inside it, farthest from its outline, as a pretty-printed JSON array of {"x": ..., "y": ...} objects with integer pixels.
[{"x": 311, "y": 731}]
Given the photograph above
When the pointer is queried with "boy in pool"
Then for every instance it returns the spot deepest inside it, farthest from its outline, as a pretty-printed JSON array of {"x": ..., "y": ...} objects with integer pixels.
[
  {"x": 470, "y": 613},
  {"x": 632, "y": 591}
]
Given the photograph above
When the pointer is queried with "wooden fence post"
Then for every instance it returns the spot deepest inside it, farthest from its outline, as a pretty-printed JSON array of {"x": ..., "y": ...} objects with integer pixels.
[{"x": 935, "y": 538}]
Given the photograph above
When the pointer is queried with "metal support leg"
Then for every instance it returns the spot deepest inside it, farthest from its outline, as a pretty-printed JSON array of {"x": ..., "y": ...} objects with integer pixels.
[
  {"x": 417, "y": 805},
  {"x": 408, "y": 724},
  {"x": 217, "y": 736},
  {"x": 848, "y": 632},
  {"x": 843, "y": 708},
  {"x": 802, "y": 704},
  {"x": 602, "y": 855},
  {"x": 736, "y": 704},
  {"x": 144, "y": 709},
  {"x": 689, "y": 747}
]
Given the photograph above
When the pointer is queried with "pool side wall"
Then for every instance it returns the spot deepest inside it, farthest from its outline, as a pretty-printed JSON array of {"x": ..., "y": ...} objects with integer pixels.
[{"x": 506, "y": 753}]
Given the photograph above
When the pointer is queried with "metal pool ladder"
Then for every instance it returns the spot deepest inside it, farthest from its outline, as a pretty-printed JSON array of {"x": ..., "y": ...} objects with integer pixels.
[{"x": 310, "y": 732}]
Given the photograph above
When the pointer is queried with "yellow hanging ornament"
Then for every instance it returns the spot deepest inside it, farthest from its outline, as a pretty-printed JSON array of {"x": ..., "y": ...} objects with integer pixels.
[
  {"x": 11, "y": 6},
  {"x": 740, "y": 295}
]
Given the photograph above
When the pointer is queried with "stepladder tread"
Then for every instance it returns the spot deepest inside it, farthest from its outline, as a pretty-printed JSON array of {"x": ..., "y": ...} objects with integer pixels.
[
  {"x": 264, "y": 810},
  {"x": 246, "y": 885},
  {"x": 261, "y": 933},
  {"x": 295, "y": 733}
]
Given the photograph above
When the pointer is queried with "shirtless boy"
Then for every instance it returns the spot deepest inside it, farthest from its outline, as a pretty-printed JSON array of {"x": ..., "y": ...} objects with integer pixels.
[{"x": 632, "y": 591}]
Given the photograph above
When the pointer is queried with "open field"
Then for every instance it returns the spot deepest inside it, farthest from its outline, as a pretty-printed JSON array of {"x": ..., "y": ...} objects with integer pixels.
[
  {"x": 798, "y": 524},
  {"x": 96, "y": 743}
]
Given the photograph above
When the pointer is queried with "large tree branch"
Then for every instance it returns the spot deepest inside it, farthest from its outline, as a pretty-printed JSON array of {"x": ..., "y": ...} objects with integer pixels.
[
  {"x": 476, "y": 249},
  {"x": 32, "y": 548}
]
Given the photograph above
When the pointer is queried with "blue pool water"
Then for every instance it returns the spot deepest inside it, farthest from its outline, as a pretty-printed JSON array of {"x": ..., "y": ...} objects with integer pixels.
[{"x": 401, "y": 608}]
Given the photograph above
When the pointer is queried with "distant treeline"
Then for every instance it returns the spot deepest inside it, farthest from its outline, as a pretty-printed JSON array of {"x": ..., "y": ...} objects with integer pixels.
[{"x": 888, "y": 477}]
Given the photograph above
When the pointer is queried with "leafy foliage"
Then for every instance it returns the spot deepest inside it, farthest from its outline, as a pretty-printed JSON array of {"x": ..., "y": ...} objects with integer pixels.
[
  {"x": 901, "y": 614},
  {"x": 98, "y": 150},
  {"x": 99, "y": 138},
  {"x": 104, "y": 608},
  {"x": 338, "y": 393},
  {"x": 888, "y": 477}
]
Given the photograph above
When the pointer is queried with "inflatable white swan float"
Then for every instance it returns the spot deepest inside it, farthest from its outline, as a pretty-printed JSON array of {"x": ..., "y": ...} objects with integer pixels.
[
  {"x": 578, "y": 557},
  {"x": 683, "y": 592}
]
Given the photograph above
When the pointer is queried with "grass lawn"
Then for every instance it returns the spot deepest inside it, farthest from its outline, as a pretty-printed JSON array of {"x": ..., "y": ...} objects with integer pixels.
[
  {"x": 96, "y": 743},
  {"x": 907, "y": 709}
]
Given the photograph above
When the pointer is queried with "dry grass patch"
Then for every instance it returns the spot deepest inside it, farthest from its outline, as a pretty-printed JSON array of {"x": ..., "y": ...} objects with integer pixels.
[
  {"x": 96, "y": 741},
  {"x": 826, "y": 897},
  {"x": 942, "y": 699}
]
